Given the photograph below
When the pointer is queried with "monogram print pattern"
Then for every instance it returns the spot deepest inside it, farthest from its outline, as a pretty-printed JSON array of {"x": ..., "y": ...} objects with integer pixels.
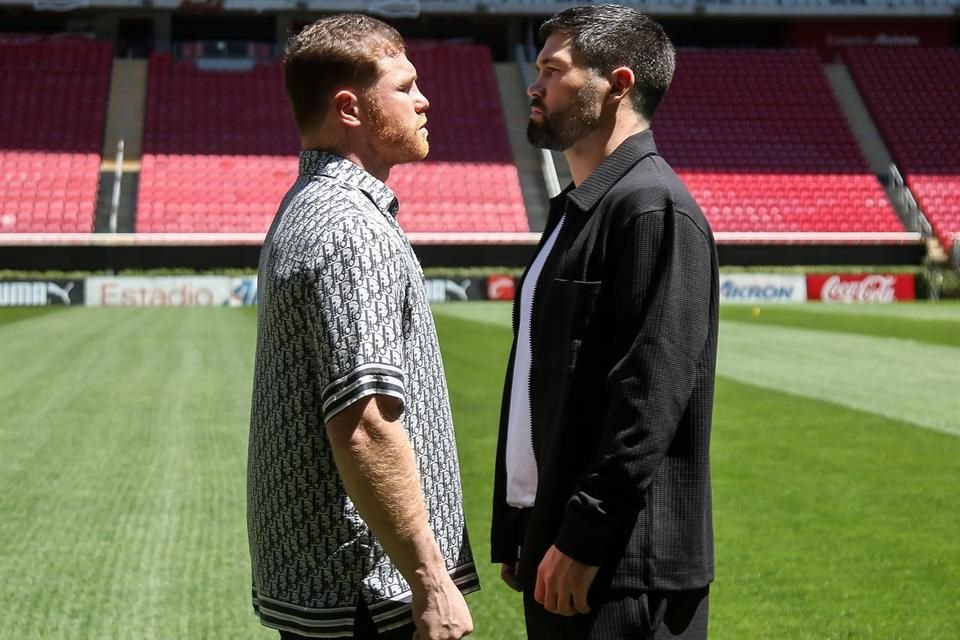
[{"x": 343, "y": 314}]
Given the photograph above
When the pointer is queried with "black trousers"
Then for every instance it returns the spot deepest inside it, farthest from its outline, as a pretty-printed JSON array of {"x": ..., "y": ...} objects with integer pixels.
[
  {"x": 655, "y": 615},
  {"x": 364, "y": 629}
]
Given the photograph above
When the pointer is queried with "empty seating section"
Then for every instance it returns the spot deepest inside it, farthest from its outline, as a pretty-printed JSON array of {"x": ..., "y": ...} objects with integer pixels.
[
  {"x": 469, "y": 182},
  {"x": 913, "y": 97},
  {"x": 220, "y": 149},
  {"x": 763, "y": 145},
  {"x": 53, "y": 94}
]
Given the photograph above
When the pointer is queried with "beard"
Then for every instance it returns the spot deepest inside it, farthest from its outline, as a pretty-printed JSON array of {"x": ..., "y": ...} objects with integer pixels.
[
  {"x": 560, "y": 131},
  {"x": 399, "y": 141}
]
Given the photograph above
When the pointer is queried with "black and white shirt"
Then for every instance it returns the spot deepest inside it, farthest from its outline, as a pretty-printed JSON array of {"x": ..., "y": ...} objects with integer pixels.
[{"x": 343, "y": 314}]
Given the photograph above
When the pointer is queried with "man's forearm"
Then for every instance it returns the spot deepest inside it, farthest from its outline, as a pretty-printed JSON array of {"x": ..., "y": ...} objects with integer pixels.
[{"x": 378, "y": 469}]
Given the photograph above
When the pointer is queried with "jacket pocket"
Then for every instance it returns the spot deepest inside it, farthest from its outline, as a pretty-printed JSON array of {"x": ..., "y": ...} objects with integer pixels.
[{"x": 575, "y": 300}]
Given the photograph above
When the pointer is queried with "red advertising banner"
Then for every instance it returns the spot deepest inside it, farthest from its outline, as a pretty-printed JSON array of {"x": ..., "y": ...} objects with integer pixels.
[
  {"x": 500, "y": 287},
  {"x": 861, "y": 287}
]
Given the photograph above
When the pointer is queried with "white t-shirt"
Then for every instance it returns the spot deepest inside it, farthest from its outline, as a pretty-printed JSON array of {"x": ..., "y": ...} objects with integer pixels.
[{"x": 520, "y": 462}]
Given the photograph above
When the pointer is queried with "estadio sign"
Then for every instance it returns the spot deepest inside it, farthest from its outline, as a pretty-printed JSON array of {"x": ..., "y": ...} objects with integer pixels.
[
  {"x": 170, "y": 291},
  {"x": 753, "y": 288},
  {"x": 40, "y": 293},
  {"x": 873, "y": 287}
]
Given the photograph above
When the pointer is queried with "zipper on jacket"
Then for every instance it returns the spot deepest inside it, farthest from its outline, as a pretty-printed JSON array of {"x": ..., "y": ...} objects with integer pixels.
[{"x": 533, "y": 300}]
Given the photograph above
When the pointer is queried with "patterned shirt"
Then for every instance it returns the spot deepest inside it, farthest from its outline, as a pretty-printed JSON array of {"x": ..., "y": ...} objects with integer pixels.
[{"x": 343, "y": 314}]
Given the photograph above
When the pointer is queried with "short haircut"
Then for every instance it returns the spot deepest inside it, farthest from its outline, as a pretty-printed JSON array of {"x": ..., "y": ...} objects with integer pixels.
[
  {"x": 335, "y": 52},
  {"x": 610, "y": 36}
]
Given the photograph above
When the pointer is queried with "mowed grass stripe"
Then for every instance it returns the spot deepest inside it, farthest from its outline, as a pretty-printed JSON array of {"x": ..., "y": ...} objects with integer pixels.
[
  {"x": 125, "y": 516},
  {"x": 475, "y": 360},
  {"x": 919, "y": 310},
  {"x": 912, "y": 380},
  {"x": 132, "y": 482},
  {"x": 903, "y": 380},
  {"x": 926, "y": 323},
  {"x": 830, "y": 522},
  {"x": 13, "y": 314}
]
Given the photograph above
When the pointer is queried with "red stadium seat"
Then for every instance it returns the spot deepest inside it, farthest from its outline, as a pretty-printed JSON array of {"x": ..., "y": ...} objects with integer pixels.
[
  {"x": 53, "y": 94},
  {"x": 912, "y": 94},
  {"x": 760, "y": 140},
  {"x": 220, "y": 148}
]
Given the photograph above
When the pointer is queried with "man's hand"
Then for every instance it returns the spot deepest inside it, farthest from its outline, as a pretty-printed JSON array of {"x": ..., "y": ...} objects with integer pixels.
[
  {"x": 562, "y": 583},
  {"x": 439, "y": 610},
  {"x": 508, "y": 573}
]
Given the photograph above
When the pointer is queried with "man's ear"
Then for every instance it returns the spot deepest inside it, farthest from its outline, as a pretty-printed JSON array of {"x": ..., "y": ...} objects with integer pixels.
[
  {"x": 346, "y": 108},
  {"x": 621, "y": 81}
]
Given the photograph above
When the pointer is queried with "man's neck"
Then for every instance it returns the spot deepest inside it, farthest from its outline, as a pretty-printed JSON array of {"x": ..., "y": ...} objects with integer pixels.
[
  {"x": 367, "y": 161},
  {"x": 588, "y": 154}
]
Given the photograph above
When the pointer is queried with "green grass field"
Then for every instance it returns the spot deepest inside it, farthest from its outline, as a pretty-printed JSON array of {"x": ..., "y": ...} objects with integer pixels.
[{"x": 836, "y": 471}]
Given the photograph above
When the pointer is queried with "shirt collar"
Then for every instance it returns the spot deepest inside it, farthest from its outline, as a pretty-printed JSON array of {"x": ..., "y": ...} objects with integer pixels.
[
  {"x": 614, "y": 166},
  {"x": 323, "y": 163}
]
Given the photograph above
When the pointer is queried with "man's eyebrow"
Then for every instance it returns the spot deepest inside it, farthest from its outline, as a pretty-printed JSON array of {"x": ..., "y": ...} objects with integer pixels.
[{"x": 552, "y": 60}]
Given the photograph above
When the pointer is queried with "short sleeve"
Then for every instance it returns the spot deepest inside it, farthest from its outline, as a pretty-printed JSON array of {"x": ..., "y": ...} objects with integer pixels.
[{"x": 359, "y": 286}]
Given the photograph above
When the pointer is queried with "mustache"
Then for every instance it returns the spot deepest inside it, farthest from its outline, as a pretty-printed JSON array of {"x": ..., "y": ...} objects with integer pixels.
[{"x": 538, "y": 105}]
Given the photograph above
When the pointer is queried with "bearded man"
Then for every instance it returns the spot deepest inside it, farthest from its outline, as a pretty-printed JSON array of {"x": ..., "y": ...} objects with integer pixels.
[
  {"x": 354, "y": 502},
  {"x": 602, "y": 499}
]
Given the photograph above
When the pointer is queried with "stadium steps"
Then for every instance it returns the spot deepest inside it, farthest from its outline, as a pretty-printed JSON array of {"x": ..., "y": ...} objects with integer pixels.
[
  {"x": 868, "y": 136},
  {"x": 128, "y": 202},
  {"x": 125, "y": 115},
  {"x": 874, "y": 149},
  {"x": 513, "y": 99},
  {"x": 861, "y": 123}
]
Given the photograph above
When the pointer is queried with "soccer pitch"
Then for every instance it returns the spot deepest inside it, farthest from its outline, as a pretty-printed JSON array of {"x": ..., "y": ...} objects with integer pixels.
[{"x": 836, "y": 466}]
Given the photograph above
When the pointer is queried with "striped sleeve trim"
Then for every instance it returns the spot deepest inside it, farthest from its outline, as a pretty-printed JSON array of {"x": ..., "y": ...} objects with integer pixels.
[{"x": 365, "y": 380}]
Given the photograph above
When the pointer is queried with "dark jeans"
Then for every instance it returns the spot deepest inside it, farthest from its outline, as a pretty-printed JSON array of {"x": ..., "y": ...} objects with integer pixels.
[
  {"x": 364, "y": 629},
  {"x": 655, "y": 615}
]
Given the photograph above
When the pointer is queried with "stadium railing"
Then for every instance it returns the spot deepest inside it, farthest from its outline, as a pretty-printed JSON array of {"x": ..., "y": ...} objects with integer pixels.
[{"x": 905, "y": 202}]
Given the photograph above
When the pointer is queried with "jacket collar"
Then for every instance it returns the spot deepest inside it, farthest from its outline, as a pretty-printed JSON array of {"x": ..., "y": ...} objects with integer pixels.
[
  {"x": 324, "y": 163},
  {"x": 598, "y": 183}
]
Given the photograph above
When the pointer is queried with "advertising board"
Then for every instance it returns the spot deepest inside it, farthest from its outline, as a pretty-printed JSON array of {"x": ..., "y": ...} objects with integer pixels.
[
  {"x": 41, "y": 292},
  {"x": 754, "y": 288},
  {"x": 861, "y": 287},
  {"x": 170, "y": 291}
]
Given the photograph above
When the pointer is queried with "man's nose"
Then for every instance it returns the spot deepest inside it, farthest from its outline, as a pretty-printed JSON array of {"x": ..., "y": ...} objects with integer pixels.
[{"x": 422, "y": 102}]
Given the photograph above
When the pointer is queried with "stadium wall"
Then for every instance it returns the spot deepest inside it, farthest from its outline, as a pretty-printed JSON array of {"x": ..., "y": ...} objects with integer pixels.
[
  {"x": 117, "y": 252},
  {"x": 227, "y": 291}
]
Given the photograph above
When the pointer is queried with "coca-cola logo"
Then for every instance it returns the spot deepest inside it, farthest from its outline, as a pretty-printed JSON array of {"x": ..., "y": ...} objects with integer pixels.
[
  {"x": 872, "y": 288},
  {"x": 500, "y": 287}
]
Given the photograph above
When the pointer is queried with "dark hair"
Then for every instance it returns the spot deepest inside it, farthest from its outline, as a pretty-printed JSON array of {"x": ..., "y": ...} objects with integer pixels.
[
  {"x": 610, "y": 36},
  {"x": 334, "y": 52}
]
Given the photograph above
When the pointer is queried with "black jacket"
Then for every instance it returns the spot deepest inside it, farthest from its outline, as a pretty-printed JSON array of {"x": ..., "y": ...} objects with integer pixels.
[{"x": 624, "y": 343}]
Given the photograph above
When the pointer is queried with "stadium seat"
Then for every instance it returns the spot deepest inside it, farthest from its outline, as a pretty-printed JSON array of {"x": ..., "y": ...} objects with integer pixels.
[
  {"x": 912, "y": 94},
  {"x": 763, "y": 145},
  {"x": 53, "y": 94},
  {"x": 220, "y": 148}
]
